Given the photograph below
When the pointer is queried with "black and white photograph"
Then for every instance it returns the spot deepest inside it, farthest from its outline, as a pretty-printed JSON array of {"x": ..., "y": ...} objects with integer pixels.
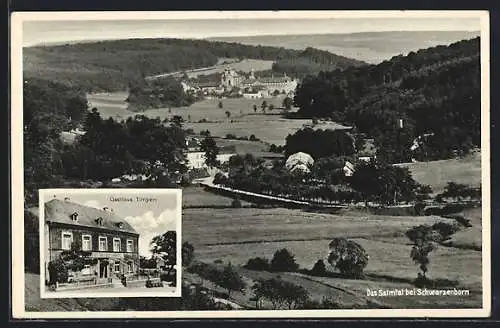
[
  {"x": 328, "y": 161},
  {"x": 105, "y": 243}
]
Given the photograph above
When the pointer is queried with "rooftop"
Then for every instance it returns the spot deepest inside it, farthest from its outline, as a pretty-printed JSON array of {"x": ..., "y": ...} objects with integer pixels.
[{"x": 61, "y": 211}]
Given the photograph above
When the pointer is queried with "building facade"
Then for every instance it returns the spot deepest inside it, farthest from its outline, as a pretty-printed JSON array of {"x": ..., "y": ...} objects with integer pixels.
[
  {"x": 282, "y": 84},
  {"x": 196, "y": 157},
  {"x": 111, "y": 243}
]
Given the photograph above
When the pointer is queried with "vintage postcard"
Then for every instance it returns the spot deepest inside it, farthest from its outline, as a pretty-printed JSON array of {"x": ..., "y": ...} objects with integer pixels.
[
  {"x": 331, "y": 164},
  {"x": 110, "y": 242}
]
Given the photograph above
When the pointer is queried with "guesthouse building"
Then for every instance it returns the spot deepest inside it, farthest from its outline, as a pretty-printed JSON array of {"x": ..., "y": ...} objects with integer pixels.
[{"x": 110, "y": 244}]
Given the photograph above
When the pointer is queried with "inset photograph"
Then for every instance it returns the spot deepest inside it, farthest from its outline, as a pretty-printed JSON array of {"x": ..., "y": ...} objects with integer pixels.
[{"x": 110, "y": 243}]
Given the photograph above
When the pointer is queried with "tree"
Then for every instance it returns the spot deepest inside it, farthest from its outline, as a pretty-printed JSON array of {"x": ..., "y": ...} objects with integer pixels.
[
  {"x": 187, "y": 254},
  {"x": 220, "y": 105},
  {"x": 293, "y": 294},
  {"x": 145, "y": 263},
  {"x": 348, "y": 257},
  {"x": 263, "y": 106},
  {"x": 177, "y": 120},
  {"x": 209, "y": 146},
  {"x": 383, "y": 183},
  {"x": 320, "y": 143},
  {"x": 423, "y": 238},
  {"x": 283, "y": 261},
  {"x": 235, "y": 203},
  {"x": 319, "y": 268},
  {"x": 287, "y": 103},
  {"x": 164, "y": 247},
  {"x": 279, "y": 293},
  {"x": 230, "y": 280},
  {"x": 257, "y": 263},
  {"x": 58, "y": 271}
]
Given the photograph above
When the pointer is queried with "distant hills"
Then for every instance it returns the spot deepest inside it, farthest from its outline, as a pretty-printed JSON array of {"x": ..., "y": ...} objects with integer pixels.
[
  {"x": 371, "y": 47},
  {"x": 113, "y": 65}
]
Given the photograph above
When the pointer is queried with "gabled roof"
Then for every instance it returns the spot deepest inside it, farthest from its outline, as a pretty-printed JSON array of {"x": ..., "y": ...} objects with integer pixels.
[
  {"x": 299, "y": 158},
  {"x": 60, "y": 211}
]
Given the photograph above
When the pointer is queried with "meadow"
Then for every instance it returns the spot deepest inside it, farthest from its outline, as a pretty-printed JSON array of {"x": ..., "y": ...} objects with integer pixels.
[
  {"x": 245, "y": 65},
  {"x": 261, "y": 232},
  {"x": 437, "y": 174},
  {"x": 243, "y": 121}
]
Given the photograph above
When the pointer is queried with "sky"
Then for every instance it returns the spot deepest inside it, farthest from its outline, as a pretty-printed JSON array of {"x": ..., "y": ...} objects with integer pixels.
[
  {"x": 149, "y": 219},
  {"x": 65, "y": 30}
]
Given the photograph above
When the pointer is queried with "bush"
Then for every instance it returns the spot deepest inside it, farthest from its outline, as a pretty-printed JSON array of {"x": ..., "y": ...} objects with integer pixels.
[
  {"x": 58, "y": 271},
  {"x": 283, "y": 261},
  {"x": 219, "y": 178},
  {"x": 347, "y": 256},
  {"x": 257, "y": 263},
  {"x": 446, "y": 210},
  {"x": 319, "y": 268},
  {"x": 419, "y": 208},
  {"x": 445, "y": 229},
  {"x": 236, "y": 203}
]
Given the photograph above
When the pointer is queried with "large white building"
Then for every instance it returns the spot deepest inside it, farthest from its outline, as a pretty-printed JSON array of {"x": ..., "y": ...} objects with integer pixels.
[
  {"x": 196, "y": 157},
  {"x": 282, "y": 84}
]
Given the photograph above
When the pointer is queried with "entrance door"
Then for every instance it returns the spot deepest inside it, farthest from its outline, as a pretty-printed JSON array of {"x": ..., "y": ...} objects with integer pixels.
[{"x": 103, "y": 270}]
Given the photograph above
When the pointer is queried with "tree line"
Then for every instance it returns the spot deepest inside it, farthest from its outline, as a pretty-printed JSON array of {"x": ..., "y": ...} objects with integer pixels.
[{"x": 373, "y": 181}]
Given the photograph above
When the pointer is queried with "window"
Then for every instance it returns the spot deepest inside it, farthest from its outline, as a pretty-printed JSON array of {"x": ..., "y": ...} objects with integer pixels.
[
  {"x": 74, "y": 217},
  {"x": 117, "y": 245},
  {"x": 117, "y": 266},
  {"x": 130, "y": 245},
  {"x": 66, "y": 240},
  {"x": 103, "y": 244},
  {"x": 86, "y": 242}
]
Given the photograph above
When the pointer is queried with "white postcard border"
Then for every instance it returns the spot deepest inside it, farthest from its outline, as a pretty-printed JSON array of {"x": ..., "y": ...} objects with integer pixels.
[{"x": 17, "y": 233}]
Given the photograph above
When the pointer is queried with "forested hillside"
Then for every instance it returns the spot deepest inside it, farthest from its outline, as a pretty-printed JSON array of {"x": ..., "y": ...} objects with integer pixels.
[
  {"x": 433, "y": 94},
  {"x": 112, "y": 65}
]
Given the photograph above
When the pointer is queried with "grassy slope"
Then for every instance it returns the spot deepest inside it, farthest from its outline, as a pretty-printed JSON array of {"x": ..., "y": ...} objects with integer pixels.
[{"x": 438, "y": 173}]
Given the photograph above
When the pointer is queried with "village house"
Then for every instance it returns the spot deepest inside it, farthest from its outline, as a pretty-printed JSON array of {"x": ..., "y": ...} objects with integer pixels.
[
  {"x": 111, "y": 242},
  {"x": 196, "y": 157}
]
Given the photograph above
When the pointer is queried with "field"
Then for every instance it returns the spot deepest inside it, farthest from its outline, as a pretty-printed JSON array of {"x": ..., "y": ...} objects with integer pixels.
[
  {"x": 437, "y": 174},
  {"x": 245, "y": 65},
  {"x": 308, "y": 241},
  {"x": 261, "y": 232},
  {"x": 242, "y": 122}
]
